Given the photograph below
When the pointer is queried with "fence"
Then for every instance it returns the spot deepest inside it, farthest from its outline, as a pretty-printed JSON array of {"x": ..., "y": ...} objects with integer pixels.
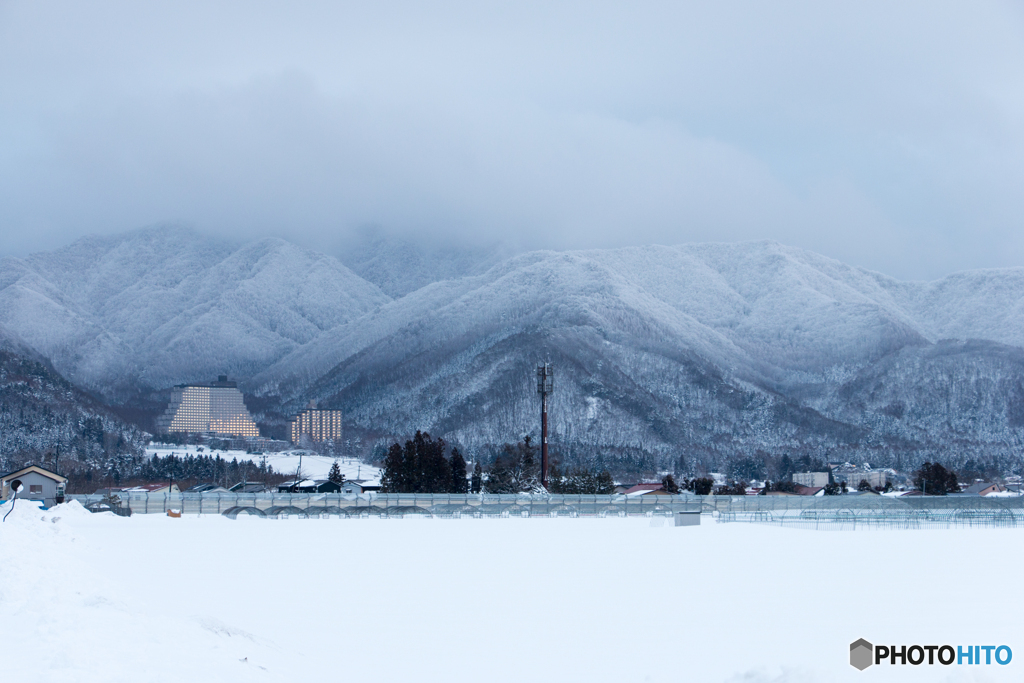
[
  {"x": 839, "y": 512},
  {"x": 392, "y": 505},
  {"x": 801, "y": 511}
]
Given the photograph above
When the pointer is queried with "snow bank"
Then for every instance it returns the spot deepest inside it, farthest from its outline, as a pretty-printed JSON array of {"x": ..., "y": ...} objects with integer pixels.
[
  {"x": 19, "y": 511},
  {"x": 69, "y": 510},
  {"x": 29, "y": 512}
]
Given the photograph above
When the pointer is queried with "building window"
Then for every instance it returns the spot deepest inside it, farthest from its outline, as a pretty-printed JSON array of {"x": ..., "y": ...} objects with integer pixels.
[{"x": 35, "y": 488}]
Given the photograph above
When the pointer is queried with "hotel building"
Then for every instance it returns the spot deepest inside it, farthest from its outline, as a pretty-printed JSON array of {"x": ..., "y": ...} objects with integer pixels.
[
  {"x": 214, "y": 408},
  {"x": 318, "y": 425}
]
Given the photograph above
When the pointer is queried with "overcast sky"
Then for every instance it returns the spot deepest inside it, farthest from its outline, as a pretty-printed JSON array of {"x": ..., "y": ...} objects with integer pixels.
[{"x": 887, "y": 135}]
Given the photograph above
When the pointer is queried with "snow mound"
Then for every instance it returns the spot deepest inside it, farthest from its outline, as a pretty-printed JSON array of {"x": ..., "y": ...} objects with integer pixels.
[
  {"x": 28, "y": 513},
  {"x": 20, "y": 511},
  {"x": 70, "y": 510}
]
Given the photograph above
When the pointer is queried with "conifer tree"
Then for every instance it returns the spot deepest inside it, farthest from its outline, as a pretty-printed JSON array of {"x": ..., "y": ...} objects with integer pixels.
[
  {"x": 606, "y": 485},
  {"x": 410, "y": 467},
  {"x": 392, "y": 477},
  {"x": 435, "y": 471},
  {"x": 458, "y": 467},
  {"x": 334, "y": 475},
  {"x": 440, "y": 468},
  {"x": 421, "y": 467},
  {"x": 416, "y": 462}
]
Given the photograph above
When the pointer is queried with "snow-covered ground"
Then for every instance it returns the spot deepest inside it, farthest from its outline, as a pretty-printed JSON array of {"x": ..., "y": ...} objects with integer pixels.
[
  {"x": 102, "y": 598},
  {"x": 317, "y": 466},
  {"x": 163, "y": 450},
  {"x": 286, "y": 462}
]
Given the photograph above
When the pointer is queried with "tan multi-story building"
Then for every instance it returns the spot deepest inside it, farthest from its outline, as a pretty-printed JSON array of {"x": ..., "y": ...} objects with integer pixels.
[
  {"x": 318, "y": 425},
  {"x": 215, "y": 408},
  {"x": 811, "y": 479}
]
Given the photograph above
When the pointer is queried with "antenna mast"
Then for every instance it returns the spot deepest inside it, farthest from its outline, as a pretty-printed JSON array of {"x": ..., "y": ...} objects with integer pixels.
[{"x": 545, "y": 373}]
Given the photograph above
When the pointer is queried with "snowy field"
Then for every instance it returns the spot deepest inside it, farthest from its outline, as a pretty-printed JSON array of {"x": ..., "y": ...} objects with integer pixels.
[
  {"x": 285, "y": 462},
  {"x": 149, "y": 598},
  {"x": 317, "y": 466}
]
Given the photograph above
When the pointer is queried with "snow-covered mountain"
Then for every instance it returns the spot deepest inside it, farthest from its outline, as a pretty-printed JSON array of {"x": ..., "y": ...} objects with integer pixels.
[
  {"x": 762, "y": 311},
  {"x": 164, "y": 305},
  {"x": 706, "y": 351},
  {"x": 713, "y": 349}
]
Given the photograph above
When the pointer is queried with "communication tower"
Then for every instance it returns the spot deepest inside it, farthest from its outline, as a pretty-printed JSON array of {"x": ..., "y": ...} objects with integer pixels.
[{"x": 545, "y": 373}]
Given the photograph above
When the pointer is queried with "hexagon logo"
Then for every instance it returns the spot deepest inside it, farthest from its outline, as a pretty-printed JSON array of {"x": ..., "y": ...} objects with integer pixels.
[{"x": 861, "y": 654}]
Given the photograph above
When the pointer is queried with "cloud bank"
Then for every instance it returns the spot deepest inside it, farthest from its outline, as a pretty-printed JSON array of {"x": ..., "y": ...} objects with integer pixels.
[{"x": 889, "y": 137}]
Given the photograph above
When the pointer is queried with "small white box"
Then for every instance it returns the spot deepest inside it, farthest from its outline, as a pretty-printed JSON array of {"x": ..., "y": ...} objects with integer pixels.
[{"x": 687, "y": 518}]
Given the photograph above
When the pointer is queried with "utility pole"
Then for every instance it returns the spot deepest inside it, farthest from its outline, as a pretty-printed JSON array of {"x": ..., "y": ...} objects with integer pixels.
[{"x": 545, "y": 373}]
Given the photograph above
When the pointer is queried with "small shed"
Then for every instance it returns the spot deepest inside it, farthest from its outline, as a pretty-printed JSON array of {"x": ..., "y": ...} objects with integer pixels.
[
  {"x": 654, "y": 488},
  {"x": 36, "y": 484},
  {"x": 207, "y": 488},
  {"x": 155, "y": 489},
  {"x": 248, "y": 487},
  {"x": 308, "y": 486},
  {"x": 351, "y": 486}
]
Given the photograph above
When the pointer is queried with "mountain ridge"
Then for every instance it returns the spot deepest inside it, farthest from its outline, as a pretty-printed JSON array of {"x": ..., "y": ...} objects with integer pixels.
[{"x": 715, "y": 349}]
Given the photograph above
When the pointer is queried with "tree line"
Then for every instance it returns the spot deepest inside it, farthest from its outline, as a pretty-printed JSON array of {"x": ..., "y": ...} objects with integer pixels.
[
  {"x": 422, "y": 466},
  {"x": 185, "y": 470}
]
